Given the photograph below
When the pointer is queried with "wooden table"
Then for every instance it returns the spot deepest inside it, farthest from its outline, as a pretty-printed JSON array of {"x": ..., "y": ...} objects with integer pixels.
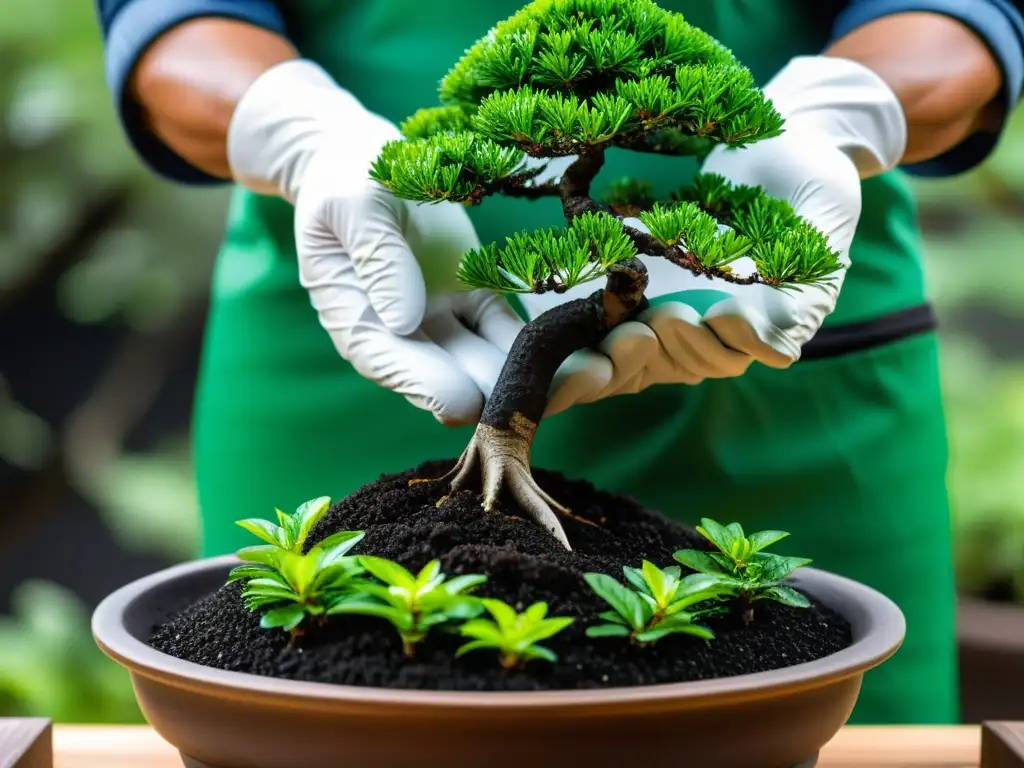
[{"x": 854, "y": 747}]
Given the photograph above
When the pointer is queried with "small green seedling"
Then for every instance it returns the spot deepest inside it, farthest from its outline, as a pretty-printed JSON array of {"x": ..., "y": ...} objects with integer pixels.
[
  {"x": 293, "y": 529},
  {"x": 657, "y": 606},
  {"x": 290, "y": 586},
  {"x": 742, "y": 565},
  {"x": 413, "y": 604},
  {"x": 513, "y": 635},
  {"x": 667, "y": 592}
]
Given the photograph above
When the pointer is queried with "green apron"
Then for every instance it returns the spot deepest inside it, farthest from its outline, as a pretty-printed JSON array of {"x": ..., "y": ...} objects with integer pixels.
[{"x": 846, "y": 451}]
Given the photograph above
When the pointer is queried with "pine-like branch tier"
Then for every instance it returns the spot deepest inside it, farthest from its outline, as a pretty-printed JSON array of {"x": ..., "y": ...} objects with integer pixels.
[{"x": 578, "y": 77}]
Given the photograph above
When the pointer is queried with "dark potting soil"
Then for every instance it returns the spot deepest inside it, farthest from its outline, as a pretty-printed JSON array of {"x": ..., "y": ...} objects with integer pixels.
[{"x": 524, "y": 565}]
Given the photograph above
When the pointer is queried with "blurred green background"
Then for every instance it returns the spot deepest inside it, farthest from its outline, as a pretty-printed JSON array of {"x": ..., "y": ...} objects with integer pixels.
[{"x": 103, "y": 280}]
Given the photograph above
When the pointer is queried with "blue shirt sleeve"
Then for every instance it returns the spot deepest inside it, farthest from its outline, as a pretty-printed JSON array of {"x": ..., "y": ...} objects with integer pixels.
[
  {"x": 129, "y": 27},
  {"x": 1000, "y": 25}
]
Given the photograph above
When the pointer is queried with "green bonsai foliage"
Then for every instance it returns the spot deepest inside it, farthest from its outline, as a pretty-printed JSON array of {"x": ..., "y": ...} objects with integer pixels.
[
  {"x": 657, "y": 605},
  {"x": 412, "y": 603},
  {"x": 575, "y": 78},
  {"x": 628, "y": 197},
  {"x": 289, "y": 587},
  {"x": 434, "y": 120},
  {"x": 513, "y": 635},
  {"x": 592, "y": 244},
  {"x": 742, "y": 565}
]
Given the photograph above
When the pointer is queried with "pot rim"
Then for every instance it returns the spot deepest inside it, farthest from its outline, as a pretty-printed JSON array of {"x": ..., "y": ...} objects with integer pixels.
[{"x": 879, "y": 623}]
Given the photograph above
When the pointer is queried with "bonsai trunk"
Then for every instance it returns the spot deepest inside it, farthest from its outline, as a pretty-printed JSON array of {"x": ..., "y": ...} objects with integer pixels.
[{"x": 499, "y": 453}]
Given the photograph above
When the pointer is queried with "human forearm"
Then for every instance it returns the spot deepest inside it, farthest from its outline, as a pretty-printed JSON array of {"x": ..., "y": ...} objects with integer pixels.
[
  {"x": 944, "y": 76},
  {"x": 190, "y": 80},
  {"x": 130, "y": 29}
]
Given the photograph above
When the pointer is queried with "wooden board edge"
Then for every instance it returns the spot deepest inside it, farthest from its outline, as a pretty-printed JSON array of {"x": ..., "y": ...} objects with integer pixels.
[
  {"x": 26, "y": 742},
  {"x": 1002, "y": 744}
]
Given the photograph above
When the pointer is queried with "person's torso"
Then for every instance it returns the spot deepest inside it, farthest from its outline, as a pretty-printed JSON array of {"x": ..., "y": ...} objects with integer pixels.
[{"x": 392, "y": 53}]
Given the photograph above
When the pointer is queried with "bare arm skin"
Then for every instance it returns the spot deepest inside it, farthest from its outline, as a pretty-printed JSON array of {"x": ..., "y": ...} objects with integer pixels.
[
  {"x": 944, "y": 76},
  {"x": 190, "y": 80},
  {"x": 947, "y": 80}
]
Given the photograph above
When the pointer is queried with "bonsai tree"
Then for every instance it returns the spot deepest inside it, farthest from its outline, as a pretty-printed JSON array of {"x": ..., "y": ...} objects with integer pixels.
[{"x": 577, "y": 78}]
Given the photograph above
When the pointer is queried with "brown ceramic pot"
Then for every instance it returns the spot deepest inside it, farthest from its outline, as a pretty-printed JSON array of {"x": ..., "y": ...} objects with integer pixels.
[
  {"x": 218, "y": 719},
  {"x": 990, "y": 639}
]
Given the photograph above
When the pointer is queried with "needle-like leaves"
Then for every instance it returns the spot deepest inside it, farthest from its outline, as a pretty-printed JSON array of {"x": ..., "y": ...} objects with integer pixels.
[
  {"x": 785, "y": 249},
  {"x": 628, "y": 196},
  {"x": 446, "y": 166},
  {"x": 566, "y": 78},
  {"x": 430, "y": 121},
  {"x": 553, "y": 259}
]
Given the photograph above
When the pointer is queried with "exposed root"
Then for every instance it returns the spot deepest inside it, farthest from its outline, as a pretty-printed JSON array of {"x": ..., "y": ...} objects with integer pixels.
[
  {"x": 568, "y": 513},
  {"x": 498, "y": 456},
  {"x": 500, "y": 459}
]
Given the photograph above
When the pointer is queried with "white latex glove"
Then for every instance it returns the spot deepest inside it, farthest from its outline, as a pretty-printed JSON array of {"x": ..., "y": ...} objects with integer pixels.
[
  {"x": 295, "y": 133},
  {"x": 843, "y": 123}
]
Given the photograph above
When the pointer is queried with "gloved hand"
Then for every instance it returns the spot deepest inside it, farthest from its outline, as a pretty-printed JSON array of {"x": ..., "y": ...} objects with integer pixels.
[
  {"x": 843, "y": 123},
  {"x": 295, "y": 133}
]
